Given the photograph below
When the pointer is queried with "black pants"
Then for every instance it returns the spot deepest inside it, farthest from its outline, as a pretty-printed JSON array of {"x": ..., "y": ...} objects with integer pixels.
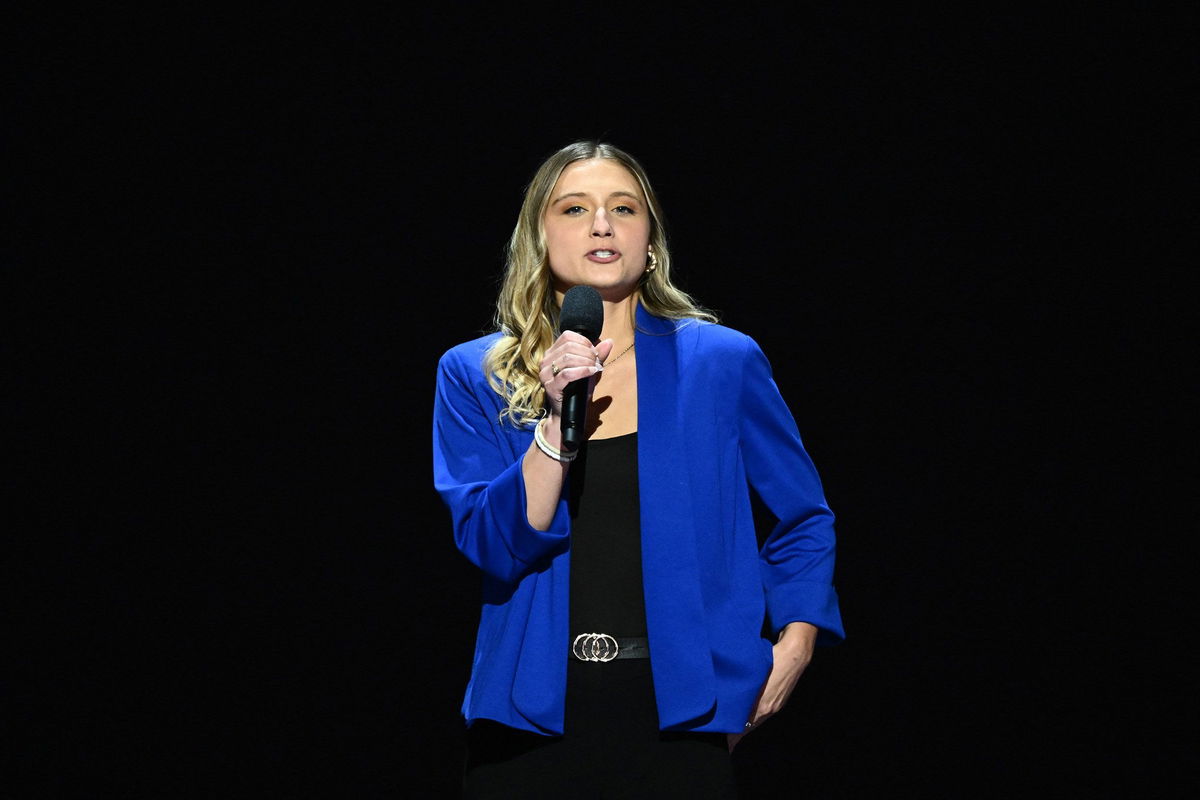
[{"x": 612, "y": 747}]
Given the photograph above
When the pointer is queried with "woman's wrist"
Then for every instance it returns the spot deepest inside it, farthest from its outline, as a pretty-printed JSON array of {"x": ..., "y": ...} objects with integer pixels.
[{"x": 552, "y": 428}]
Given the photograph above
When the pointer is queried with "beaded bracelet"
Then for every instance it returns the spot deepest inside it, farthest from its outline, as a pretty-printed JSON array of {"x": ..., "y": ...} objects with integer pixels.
[{"x": 547, "y": 448}]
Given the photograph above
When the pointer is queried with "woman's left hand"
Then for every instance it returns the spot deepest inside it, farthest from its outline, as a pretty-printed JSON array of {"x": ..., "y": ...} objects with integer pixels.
[{"x": 792, "y": 652}]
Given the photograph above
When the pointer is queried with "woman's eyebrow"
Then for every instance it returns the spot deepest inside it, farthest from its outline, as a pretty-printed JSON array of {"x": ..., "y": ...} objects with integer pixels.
[{"x": 618, "y": 193}]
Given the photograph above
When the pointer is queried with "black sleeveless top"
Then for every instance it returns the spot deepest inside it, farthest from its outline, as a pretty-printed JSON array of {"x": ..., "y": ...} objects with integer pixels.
[{"x": 606, "y": 539}]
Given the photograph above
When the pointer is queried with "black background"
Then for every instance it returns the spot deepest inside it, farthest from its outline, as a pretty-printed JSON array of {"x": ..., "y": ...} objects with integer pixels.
[{"x": 246, "y": 241}]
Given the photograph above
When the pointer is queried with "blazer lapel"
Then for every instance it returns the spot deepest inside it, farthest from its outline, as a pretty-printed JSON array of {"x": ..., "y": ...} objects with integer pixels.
[{"x": 681, "y": 658}]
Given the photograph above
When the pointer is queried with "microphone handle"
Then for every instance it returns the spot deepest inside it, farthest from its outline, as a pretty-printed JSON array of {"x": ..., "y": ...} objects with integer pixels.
[{"x": 574, "y": 415}]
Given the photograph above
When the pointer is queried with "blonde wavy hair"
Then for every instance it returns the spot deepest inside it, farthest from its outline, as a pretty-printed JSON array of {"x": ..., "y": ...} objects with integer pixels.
[{"x": 526, "y": 307}]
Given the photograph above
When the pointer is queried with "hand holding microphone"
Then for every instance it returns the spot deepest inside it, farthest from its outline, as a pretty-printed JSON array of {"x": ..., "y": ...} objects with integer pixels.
[{"x": 571, "y": 362}]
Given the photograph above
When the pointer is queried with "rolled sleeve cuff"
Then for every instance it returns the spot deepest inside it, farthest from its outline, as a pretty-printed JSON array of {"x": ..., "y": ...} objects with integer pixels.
[
  {"x": 807, "y": 601},
  {"x": 507, "y": 516}
]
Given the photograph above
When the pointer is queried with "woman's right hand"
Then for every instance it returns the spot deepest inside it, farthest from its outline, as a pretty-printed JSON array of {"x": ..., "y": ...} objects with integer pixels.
[{"x": 570, "y": 358}]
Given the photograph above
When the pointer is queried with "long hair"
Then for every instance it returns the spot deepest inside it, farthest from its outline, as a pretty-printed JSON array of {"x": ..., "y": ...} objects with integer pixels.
[{"x": 526, "y": 308}]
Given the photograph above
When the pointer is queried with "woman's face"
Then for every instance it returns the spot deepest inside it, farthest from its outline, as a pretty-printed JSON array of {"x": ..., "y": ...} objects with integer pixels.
[{"x": 597, "y": 229}]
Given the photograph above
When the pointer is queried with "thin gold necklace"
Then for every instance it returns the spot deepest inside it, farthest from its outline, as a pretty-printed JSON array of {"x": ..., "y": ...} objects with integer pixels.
[{"x": 623, "y": 352}]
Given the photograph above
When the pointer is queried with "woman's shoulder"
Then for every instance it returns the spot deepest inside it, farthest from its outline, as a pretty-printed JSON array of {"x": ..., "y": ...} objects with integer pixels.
[
  {"x": 469, "y": 354},
  {"x": 712, "y": 336}
]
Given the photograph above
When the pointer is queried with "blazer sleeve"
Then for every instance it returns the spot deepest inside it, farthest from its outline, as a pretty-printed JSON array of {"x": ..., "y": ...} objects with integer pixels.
[
  {"x": 477, "y": 472},
  {"x": 797, "y": 557}
]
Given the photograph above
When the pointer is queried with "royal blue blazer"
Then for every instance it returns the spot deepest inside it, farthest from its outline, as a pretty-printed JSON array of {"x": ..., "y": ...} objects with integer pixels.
[{"x": 712, "y": 427}]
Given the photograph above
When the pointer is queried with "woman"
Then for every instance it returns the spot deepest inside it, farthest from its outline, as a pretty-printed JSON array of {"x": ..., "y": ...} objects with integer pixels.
[{"x": 625, "y": 594}]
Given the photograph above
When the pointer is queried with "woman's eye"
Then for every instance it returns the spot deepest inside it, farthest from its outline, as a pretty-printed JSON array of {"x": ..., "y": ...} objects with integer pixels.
[
  {"x": 574, "y": 210},
  {"x": 623, "y": 210}
]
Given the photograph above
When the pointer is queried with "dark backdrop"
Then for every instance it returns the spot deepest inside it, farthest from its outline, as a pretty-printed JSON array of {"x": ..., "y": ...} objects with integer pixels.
[{"x": 249, "y": 240}]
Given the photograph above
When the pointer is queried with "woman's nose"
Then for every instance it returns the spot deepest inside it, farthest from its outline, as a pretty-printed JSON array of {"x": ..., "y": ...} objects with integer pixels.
[{"x": 600, "y": 226}]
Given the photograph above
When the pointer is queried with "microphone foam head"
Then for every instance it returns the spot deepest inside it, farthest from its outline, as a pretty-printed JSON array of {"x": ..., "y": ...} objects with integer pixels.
[{"x": 582, "y": 312}]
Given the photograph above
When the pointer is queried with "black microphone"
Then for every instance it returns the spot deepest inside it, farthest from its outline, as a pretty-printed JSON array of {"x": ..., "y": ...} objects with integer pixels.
[{"x": 582, "y": 312}]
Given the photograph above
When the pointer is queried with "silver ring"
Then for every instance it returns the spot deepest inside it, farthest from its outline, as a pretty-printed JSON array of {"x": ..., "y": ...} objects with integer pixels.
[{"x": 554, "y": 369}]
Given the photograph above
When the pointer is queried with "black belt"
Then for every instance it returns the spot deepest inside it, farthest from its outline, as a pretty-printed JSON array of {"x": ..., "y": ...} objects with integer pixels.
[{"x": 603, "y": 647}]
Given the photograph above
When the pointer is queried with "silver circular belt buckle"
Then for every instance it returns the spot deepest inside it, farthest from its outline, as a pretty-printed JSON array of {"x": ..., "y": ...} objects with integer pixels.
[{"x": 594, "y": 647}]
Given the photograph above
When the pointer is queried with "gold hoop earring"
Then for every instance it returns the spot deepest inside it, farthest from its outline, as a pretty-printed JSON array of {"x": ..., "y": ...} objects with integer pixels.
[{"x": 651, "y": 261}]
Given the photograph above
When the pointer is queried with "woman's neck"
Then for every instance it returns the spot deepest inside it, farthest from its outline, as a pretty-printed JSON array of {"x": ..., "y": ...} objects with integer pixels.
[{"x": 619, "y": 319}]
